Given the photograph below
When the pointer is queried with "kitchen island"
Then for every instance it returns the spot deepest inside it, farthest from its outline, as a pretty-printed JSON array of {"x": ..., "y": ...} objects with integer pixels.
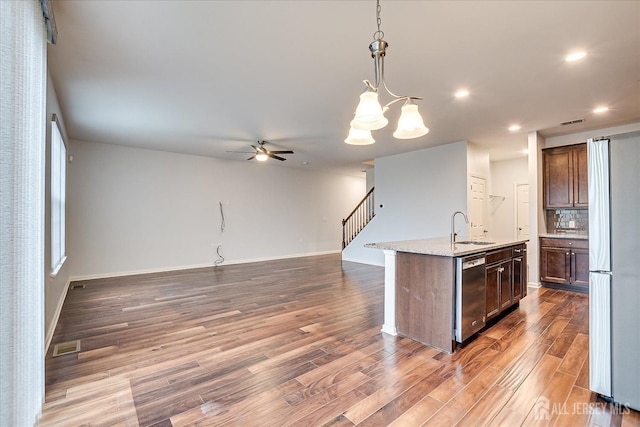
[{"x": 420, "y": 285}]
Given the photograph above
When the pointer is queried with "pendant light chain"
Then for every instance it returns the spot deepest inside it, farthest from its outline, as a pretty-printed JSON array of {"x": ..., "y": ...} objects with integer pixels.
[{"x": 378, "y": 35}]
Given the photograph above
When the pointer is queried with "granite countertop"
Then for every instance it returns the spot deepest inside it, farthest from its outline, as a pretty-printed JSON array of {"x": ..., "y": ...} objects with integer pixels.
[
  {"x": 442, "y": 246},
  {"x": 579, "y": 236}
]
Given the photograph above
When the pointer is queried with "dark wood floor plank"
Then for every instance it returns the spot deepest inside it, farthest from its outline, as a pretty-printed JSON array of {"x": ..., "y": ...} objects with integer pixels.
[
  {"x": 298, "y": 342},
  {"x": 394, "y": 409},
  {"x": 521, "y": 402},
  {"x": 406, "y": 376},
  {"x": 541, "y": 413},
  {"x": 453, "y": 410}
]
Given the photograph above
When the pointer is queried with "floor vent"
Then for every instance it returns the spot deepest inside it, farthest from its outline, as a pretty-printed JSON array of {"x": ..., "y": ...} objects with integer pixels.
[
  {"x": 76, "y": 287},
  {"x": 66, "y": 348}
]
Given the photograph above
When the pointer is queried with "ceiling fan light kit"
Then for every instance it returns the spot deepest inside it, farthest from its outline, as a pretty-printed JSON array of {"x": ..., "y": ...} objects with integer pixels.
[
  {"x": 369, "y": 113},
  {"x": 261, "y": 154}
]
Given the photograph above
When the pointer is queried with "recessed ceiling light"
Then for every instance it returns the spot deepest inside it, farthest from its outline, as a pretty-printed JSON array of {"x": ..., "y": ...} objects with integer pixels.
[
  {"x": 514, "y": 128},
  {"x": 575, "y": 56},
  {"x": 601, "y": 109},
  {"x": 462, "y": 93}
]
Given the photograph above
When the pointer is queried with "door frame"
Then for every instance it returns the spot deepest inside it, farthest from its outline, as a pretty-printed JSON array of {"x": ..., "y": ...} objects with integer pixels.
[{"x": 515, "y": 208}]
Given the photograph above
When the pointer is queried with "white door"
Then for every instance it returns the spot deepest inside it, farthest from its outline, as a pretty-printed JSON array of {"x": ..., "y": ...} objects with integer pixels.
[
  {"x": 477, "y": 207},
  {"x": 522, "y": 211}
]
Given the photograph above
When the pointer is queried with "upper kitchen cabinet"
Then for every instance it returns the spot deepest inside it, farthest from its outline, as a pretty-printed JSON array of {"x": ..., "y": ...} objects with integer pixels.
[{"x": 565, "y": 177}]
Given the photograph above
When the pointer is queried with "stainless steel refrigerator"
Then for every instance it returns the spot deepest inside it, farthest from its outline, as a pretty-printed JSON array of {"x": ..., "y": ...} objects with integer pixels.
[{"x": 614, "y": 267}]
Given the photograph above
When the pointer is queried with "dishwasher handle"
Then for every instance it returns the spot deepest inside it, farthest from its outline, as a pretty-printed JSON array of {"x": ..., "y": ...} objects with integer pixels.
[{"x": 473, "y": 263}]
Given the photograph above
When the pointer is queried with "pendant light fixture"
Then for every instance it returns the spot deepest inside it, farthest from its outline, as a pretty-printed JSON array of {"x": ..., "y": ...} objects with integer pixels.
[{"x": 370, "y": 114}]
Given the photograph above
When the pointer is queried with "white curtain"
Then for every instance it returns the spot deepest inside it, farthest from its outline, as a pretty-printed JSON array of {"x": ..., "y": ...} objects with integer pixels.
[{"x": 22, "y": 150}]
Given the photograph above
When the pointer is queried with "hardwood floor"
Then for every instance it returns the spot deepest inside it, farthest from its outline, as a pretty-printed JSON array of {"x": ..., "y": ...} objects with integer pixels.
[{"x": 298, "y": 342}]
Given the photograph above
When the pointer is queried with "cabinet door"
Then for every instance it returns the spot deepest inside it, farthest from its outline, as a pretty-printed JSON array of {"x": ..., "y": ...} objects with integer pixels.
[
  {"x": 580, "y": 181},
  {"x": 493, "y": 291},
  {"x": 580, "y": 267},
  {"x": 558, "y": 178},
  {"x": 518, "y": 283},
  {"x": 555, "y": 266},
  {"x": 506, "y": 281}
]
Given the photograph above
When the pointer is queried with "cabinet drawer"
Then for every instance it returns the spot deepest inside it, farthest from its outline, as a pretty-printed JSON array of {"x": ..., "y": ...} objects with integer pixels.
[
  {"x": 519, "y": 250},
  {"x": 564, "y": 243},
  {"x": 499, "y": 255}
]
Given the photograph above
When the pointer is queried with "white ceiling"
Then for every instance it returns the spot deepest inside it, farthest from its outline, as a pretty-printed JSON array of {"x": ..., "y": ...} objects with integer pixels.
[{"x": 204, "y": 77}]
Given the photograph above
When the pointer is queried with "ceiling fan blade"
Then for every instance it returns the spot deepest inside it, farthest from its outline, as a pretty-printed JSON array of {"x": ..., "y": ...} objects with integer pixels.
[
  {"x": 273, "y": 156},
  {"x": 252, "y": 157},
  {"x": 282, "y": 152},
  {"x": 244, "y": 152}
]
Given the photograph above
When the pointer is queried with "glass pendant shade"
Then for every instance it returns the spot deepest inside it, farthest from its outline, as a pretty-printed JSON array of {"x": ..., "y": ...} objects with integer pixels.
[
  {"x": 359, "y": 137},
  {"x": 410, "y": 124},
  {"x": 369, "y": 115},
  {"x": 261, "y": 157}
]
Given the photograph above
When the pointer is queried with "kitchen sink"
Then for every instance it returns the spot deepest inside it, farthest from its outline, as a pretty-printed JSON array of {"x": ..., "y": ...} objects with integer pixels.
[{"x": 475, "y": 242}]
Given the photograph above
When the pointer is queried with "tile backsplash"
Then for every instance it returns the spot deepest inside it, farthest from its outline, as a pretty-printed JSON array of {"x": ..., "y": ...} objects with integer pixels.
[{"x": 558, "y": 220}]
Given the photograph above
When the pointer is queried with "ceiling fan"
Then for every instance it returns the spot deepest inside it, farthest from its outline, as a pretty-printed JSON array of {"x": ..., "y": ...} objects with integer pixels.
[{"x": 260, "y": 153}]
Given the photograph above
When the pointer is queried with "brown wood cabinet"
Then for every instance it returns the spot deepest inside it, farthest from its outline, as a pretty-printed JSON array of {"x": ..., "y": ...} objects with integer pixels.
[
  {"x": 519, "y": 273},
  {"x": 506, "y": 280},
  {"x": 424, "y": 309},
  {"x": 564, "y": 263},
  {"x": 565, "y": 177}
]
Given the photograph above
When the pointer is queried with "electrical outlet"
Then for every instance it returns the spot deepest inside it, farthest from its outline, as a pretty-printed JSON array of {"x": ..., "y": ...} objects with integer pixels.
[{"x": 572, "y": 224}]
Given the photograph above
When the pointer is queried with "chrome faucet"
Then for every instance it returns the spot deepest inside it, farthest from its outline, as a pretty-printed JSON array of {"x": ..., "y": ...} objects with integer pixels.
[{"x": 453, "y": 217}]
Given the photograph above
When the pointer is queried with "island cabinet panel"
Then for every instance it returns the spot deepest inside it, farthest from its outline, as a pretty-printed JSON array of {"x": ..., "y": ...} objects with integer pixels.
[
  {"x": 493, "y": 291},
  {"x": 499, "y": 283},
  {"x": 506, "y": 283},
  {"x": 506, "y": 279},
  {"x": 519, "y": 274},
  {"x": 424, "y": 298}
]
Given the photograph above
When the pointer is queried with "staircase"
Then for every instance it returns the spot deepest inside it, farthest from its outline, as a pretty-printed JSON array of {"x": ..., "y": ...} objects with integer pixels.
[{"x": 358, "y": 218}]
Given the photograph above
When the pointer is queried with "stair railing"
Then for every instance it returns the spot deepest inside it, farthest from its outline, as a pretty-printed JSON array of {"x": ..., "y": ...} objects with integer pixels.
[{"x": 358, "y": 218}]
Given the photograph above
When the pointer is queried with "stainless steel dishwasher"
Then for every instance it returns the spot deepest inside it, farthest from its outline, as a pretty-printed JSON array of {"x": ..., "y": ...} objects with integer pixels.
[{"x": 470, "y": 296}]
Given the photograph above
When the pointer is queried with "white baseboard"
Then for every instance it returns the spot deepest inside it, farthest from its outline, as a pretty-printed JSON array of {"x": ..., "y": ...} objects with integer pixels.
[
  {"x": 359, "y": 261},
  {"x": 245, "y": 261},
  {"x": 56, "y": 316},
  {"x": 533, "y": 285},
  {"x": 136, "y": 272},
  {"x": 190, "y": 267}
]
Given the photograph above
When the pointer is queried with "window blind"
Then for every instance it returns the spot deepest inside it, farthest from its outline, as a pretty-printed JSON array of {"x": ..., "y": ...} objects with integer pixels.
[{"x": 22, "y": 148}]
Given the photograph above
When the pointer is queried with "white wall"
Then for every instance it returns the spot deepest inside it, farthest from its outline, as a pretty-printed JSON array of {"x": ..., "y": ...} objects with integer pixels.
[
  {"x": 478, "y": 161},
  {"x": 55, "y": 288},
  {"x": 419, "y": 191},
  {"x": 370, "y": 177},
  {"x": 135, "y": 210},
  {"x": 505, "y": 174}
]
